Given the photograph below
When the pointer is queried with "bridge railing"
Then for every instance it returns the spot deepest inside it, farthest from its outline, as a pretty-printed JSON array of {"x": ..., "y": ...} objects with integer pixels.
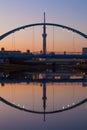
[{"x": 59, "y": 53}]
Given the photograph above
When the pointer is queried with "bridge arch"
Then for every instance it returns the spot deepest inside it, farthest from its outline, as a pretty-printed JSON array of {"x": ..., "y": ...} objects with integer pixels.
[{"x": 40, "y": 24}]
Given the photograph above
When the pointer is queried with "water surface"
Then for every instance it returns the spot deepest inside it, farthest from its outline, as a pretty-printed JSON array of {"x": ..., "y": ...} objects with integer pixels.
[{"x": 47, "y": 101}]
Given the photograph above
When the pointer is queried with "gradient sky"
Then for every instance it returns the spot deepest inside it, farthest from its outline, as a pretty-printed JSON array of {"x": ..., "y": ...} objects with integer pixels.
[{"x": 14, "y": 13}]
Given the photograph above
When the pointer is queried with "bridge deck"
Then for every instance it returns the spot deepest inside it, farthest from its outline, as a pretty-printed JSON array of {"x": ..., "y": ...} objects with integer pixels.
[{"x": 30, "y": 55}]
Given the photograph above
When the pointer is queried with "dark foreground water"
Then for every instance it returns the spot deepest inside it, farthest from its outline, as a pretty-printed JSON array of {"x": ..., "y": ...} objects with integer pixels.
[{"x": 43, "y": 102}]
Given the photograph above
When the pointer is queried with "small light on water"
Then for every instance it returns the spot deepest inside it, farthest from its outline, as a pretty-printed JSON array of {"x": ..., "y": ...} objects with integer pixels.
[
  {"x": 63, "y": 107},
  {"x": 13, "y": 102},
  {"x": 73, "y": 103},
  {"x": 68, "y": 105}
]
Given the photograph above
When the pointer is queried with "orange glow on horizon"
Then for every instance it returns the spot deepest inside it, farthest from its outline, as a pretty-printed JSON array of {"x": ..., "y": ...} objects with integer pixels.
[{"x": 31, "y": 39}]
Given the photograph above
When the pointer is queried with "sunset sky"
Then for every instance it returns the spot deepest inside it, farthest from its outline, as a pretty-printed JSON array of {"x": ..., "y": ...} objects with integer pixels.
[{"x": 15, "y": 13}]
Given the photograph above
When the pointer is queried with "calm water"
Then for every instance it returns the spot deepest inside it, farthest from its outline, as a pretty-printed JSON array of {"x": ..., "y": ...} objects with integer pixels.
[{"x": 43, "y": 101}]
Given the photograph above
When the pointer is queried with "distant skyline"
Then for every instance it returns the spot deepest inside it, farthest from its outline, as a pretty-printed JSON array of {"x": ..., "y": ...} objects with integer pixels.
[{"x": 15, "y": 13}]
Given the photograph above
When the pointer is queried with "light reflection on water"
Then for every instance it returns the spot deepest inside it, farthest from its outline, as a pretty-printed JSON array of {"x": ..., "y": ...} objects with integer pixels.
[{"x": 43, "y": 96}]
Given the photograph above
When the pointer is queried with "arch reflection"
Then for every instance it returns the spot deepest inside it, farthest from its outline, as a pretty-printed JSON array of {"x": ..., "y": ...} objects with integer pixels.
[
  {"x": 43, "y": 79},
  {"x": 44, "y": 112}
]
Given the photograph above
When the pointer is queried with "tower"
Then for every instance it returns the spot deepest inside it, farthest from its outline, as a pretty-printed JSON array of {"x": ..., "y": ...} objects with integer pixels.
[
  {"x": 44, "y": 35},
  {"x": 44, "y": 98}
]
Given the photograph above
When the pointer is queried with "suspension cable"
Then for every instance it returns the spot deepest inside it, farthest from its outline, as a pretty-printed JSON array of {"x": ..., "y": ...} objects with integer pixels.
[
  {"x": 53, "y": 38},
  {"x": 53, "y": 97},
  {"x": 33, "y": 39},
  {"x": 73, "y": 42},
  {"x": 13, "y": 42}
]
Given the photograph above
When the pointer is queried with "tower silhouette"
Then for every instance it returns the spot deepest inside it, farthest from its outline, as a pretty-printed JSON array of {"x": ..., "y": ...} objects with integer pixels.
[{"x": 44, "y": 35}]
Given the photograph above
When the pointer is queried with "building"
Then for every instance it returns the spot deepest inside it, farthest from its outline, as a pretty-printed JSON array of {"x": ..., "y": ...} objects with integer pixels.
[{"x": 84, "y": 50}]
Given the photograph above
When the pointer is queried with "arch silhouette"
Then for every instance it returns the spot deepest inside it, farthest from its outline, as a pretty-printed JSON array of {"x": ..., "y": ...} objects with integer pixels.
[
  {"x": 39, "y": 24},
  {"x": 39, "y": 112}
]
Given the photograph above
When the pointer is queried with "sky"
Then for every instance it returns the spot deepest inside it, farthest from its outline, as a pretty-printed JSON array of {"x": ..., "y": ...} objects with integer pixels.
[{"x": 15, "y": 13}]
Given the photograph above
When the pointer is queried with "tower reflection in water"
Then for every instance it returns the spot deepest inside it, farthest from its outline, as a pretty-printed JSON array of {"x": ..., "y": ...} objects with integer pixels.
[{"x": 50, "y": 92}]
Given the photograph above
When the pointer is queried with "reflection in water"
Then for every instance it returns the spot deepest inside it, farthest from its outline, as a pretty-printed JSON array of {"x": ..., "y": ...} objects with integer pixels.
[
  {"x": 44, "y": 106},
  {"x": 61, "y": 83},
  {"x": 40, "y": 77}
]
